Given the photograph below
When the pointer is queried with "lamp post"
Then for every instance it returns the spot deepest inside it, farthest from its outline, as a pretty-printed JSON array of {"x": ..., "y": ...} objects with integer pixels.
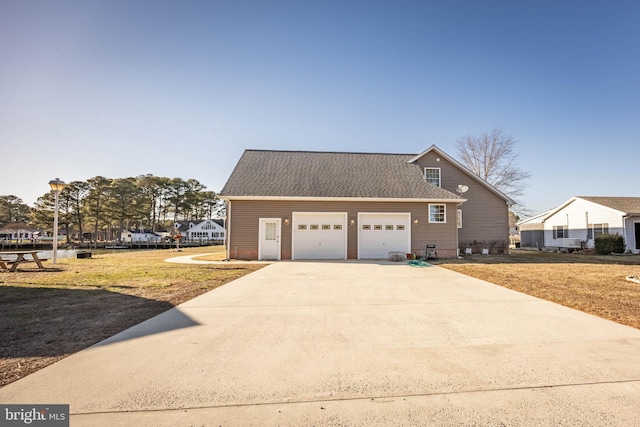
[{"x": 56, "y": 186}]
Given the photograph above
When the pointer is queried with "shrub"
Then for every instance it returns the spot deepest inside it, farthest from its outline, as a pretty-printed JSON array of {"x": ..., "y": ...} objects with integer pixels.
[{"x": 607, "y": 243}]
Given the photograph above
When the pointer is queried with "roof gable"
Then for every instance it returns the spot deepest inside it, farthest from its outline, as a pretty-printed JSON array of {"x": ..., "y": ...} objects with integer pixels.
[
  {"x": 537, "y": 219},
  {"x": 300, "y": 174},
  {"x": 464, "y": 169}
]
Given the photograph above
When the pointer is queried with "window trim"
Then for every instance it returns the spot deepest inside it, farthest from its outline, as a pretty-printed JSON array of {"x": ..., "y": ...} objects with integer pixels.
[
  {"x": 602, "y": 227},
  {"x": 563, "y": 228},
  {"x": 444, "y": 214},
  {"x": 439, "y": 175}
]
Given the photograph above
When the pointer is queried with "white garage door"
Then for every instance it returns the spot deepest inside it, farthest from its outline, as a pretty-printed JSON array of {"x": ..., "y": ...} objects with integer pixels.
[
  {"x": 319, "y": 235},
  {"x": 381, "y": 233}
]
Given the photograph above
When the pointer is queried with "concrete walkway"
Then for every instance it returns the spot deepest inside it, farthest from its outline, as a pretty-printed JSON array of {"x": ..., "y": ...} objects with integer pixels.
[
  {"x": 357, "y": 344},
  {"x": 190, "y": 259}
]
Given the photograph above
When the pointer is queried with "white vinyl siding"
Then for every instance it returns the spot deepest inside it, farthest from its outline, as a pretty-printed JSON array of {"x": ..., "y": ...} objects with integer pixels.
[{"x": 581, "y": 220}]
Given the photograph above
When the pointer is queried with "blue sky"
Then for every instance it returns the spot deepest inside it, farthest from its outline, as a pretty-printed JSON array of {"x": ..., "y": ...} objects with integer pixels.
[{"x": 180, "y": 88}]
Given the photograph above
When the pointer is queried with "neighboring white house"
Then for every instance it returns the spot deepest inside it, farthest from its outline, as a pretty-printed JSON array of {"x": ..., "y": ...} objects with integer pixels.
[
  {"x": 20, "y": 231},
  {"x": 140, "y": 236},
  {"x": 201, "y": 230},
  {"x": 579, "y": 220}
]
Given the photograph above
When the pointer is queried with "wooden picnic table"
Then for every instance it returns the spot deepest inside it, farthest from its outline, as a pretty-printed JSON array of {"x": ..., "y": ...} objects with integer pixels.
[{"x": 8, "y": 262}]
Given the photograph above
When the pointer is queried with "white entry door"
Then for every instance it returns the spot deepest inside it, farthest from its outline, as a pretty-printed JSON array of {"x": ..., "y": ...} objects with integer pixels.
[{"x": 269, "y": 239}]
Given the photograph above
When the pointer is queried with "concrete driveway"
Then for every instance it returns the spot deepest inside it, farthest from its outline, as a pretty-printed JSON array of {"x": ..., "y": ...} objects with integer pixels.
[{"x": 352, "y": 343}]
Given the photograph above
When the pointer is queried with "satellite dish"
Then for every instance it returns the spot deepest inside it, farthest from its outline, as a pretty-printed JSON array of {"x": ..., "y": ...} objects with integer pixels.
[{"x": 462, "y": 188}]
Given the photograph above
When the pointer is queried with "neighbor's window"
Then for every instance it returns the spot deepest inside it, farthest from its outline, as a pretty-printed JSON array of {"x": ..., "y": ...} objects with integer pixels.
[
  {"x": 560, "y": 232},
  {"x": 437, "y": 213},
  {"x": 432, "y": 176},
  {"x": 459, "y": 218},
  {"x": 595, "y": 230}
]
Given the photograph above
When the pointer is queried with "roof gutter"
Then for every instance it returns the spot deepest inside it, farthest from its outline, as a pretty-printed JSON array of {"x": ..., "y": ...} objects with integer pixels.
[{"x": 338, "y": 199}]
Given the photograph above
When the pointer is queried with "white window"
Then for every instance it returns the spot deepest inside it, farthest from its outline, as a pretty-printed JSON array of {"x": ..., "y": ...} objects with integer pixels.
[
  {"x": 459, "y": 217},
  {"x": 560, "y": 232},
  {"x": 595, "y": 230},
  {"x": 437, "y": 213},
  {"x": 432, "y": 176},
  {"x": 270, "y": 231}
]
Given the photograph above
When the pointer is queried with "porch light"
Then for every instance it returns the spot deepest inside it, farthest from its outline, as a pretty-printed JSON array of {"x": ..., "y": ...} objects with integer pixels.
[
  {"x": 352, "y": 221},
  {"x": 286, "y": 221},
  {"x": 415, "y": 221}
]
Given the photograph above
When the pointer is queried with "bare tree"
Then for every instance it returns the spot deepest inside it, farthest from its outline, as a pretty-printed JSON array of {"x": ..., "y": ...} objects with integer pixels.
[{"x": 492, "y": 156}]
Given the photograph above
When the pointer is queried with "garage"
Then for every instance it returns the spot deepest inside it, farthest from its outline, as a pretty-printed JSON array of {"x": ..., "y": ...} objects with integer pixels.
[
  {"x": 319, "y": 235},
  {"x": 381, "y": 233}
]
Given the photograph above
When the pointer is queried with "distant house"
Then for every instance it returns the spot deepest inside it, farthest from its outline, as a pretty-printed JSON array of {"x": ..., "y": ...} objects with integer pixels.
[
  {"x": 338, "y": 205},
  {"x": 20, "y": 231},
  {"x": 532, "y": 231},
  {"x": 201, "y": 230},
  {"x": 136, "y": 235},
  {"x": 579, "y": 220}
]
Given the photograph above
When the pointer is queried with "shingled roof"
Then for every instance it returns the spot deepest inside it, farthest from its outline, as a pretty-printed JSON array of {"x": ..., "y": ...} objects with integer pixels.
[
  {"x": 628, "y": 205},
  {"x": 264, "y": 173}
]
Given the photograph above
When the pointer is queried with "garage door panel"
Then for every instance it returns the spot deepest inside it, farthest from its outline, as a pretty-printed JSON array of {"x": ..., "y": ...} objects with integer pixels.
[
  {"x": 380, "y": 234},
  {"x": 319, "y": 236}
]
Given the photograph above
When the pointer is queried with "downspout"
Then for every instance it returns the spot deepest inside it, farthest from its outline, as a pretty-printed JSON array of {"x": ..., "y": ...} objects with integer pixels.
[
  {"x": 586, "y": 228},
  {"x": 624, "y": 230}
]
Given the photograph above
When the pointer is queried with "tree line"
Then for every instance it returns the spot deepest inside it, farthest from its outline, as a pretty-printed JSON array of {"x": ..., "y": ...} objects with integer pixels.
[{"x": 101, "y": 208}]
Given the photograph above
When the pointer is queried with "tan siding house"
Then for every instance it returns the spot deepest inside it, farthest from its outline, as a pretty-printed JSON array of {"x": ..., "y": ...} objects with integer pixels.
[
  {"x": 484, "y": 214},
  {"x": 328, "y": 205}
]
